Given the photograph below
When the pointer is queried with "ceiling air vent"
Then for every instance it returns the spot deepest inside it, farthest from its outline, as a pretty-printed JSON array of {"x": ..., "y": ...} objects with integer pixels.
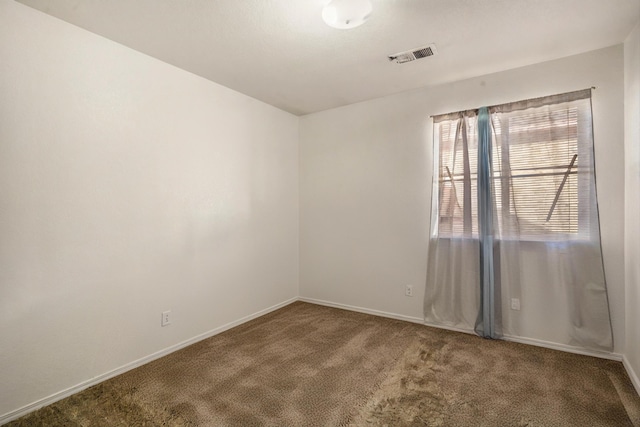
[{"x": 413, "y": 54}]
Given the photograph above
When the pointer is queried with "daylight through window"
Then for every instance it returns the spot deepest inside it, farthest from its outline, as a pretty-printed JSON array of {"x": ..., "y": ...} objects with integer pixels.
[{"x": 536, "y": 168}]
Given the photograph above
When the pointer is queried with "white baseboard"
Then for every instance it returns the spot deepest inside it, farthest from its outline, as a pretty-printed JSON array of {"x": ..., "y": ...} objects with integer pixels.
[
  {"x": 529, "y": 341},
  {"x": 363, "y": 310},
  {"x": 566, "y": 348},
  {"x": 633, "y": 375},
  {"x": 10, "y": 416}
]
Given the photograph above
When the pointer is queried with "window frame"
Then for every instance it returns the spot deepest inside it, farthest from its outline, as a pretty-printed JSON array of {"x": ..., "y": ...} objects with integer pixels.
[{"x": 583, "y": 218}]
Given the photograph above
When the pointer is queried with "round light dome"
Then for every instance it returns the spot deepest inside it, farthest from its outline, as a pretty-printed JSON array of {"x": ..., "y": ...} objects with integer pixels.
[{"x": 346, "y": 14}]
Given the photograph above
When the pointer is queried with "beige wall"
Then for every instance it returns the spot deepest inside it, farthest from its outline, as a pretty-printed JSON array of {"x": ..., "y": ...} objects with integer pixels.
[
  {"x": 365, "y": 188},
  {"x": 632, "y": 201},
  {"x": 128, "y": 187}
]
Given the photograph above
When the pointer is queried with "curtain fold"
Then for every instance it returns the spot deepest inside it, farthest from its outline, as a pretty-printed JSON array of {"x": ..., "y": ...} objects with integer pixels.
[
  {"x": 515, "y": 237},
  {"x": 486, "y": 324}
]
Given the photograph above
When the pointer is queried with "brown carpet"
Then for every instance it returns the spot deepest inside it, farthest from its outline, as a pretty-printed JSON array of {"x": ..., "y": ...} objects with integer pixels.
[{"x": 308, "y": 365}]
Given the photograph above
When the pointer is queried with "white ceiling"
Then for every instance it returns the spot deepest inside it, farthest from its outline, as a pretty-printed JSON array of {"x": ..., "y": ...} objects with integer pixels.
[{"x": 281, "y": 52}]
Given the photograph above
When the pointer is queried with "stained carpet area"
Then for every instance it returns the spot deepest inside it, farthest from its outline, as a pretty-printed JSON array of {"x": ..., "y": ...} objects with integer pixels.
[{"x": 308, "y": 365}]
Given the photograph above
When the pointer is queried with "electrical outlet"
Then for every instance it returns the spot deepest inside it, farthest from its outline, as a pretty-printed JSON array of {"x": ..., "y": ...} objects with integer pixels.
[
  {"x": 408, "y": 290},
  {"x": 166, "y": 318},
  {"x": 515, "y": 304}
]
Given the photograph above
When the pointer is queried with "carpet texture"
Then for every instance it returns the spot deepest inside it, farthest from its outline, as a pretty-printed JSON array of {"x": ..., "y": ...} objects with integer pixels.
[{"x": 308, "y": 365}]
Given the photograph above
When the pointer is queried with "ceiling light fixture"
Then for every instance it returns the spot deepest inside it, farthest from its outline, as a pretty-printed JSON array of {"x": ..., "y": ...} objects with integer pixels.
[{"x": 346, "y": 14}]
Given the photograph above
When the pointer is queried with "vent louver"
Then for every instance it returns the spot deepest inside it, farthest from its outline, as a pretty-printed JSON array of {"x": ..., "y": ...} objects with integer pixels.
[{"x": 413, "y": 54}]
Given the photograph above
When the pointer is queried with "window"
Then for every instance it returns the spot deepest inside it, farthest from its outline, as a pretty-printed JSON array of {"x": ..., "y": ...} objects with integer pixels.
[
  {"x": 514, "y": 194},
  {"x": 539, "y": 190}
]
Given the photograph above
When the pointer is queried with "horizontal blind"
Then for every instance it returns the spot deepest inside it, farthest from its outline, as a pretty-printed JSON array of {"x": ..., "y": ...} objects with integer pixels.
[
  {"x": 539, "y": 180},
  {"x": 451, "y": 182}
]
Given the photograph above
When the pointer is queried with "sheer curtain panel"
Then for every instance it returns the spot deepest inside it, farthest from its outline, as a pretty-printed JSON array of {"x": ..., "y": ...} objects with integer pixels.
[{"x": 515, "y": 237}]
